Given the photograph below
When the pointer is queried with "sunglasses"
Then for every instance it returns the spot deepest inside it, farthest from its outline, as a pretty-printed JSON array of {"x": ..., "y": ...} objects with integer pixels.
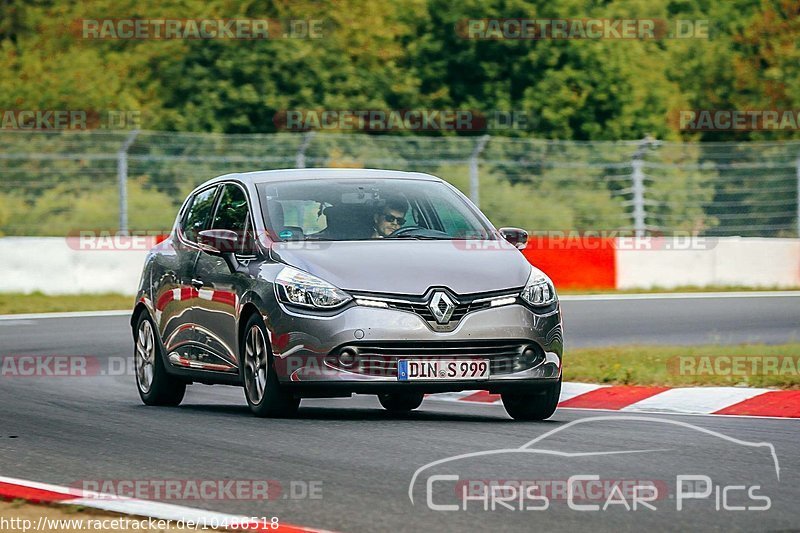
[{"x": 391, "y": 218}]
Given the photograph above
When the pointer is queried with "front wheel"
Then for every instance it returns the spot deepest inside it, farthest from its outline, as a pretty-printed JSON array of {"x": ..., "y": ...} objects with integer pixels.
[
  {"x": 261, "y": 386},
  {"x": 155, "y": 385},
  {"x": 400, "y": 402},
  {"x": 539, "y": 406}
]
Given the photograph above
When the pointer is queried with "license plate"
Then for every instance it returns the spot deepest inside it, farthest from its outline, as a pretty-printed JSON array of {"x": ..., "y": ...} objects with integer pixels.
[{"x": 442, "y": 369}]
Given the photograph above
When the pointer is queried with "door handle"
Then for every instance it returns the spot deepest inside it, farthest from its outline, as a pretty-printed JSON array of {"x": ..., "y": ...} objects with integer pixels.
[{"x": 197, "y": 283}]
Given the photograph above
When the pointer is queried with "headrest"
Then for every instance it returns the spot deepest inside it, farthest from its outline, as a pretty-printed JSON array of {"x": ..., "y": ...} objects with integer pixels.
[{"x": 348, "y": 222}]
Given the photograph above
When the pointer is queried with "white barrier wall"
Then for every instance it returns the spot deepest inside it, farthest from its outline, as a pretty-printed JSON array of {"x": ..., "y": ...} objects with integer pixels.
[
  {"x": 56, "y": 265},
  {"x": 724, "y": 261}
]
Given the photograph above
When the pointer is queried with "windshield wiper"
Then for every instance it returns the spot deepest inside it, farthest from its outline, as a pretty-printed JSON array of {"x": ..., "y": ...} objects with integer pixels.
[{"x": 422, "y": 237}]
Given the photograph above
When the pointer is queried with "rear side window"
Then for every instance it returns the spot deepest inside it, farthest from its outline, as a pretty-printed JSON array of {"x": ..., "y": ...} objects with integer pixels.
[{"x": 196, "y": 219}]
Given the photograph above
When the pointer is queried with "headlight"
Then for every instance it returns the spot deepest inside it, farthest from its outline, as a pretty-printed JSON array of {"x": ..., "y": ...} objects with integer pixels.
[
  {"x": 301, "y": 288},
  {"x": 539, "y": 291}
]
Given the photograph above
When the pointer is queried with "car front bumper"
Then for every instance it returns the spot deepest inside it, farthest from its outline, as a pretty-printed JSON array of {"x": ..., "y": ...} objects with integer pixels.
[{"x": 306, "y": 348}]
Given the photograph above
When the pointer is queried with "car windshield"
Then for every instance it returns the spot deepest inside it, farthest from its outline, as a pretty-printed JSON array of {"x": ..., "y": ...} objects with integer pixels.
[{"x": 355, "y": 209}]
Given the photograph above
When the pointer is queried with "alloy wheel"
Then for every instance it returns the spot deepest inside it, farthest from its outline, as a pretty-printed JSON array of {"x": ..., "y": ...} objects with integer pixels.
[
  {"x": 255, "y": 365},
  {"x": 145, "y": 356}
]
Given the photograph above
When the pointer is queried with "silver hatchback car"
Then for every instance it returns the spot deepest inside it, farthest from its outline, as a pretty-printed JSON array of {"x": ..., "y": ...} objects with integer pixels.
[{"x": 329, "y": 282}]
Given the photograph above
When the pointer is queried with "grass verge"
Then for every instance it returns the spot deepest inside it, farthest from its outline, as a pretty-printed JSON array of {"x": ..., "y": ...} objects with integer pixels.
[
  {"x": 748, "y": 365},
  {"x": 13, "y": 303}
]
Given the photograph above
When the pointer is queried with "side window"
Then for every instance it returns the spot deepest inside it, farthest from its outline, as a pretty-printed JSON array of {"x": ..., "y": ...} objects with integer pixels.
[
  {"x": 196, "y": 219},
  {"x": 233, "y": 214},
  {"x": 453, "y": 221}
]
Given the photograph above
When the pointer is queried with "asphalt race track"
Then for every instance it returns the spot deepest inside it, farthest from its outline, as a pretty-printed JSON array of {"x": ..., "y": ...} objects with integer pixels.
[
  {"x": 693, "y": 319},
  {"x": 359, "y": 461}
]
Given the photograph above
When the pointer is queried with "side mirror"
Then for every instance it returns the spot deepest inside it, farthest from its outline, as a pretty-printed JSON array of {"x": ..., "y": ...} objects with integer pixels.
[
  {"x": 517, "y": 237},
  {"x": 221, "y": 242},
  {"x": 218, "y": 241}
]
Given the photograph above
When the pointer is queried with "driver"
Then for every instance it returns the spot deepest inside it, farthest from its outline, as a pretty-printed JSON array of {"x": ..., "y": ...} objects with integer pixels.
[{"x": 391, "y": 218}]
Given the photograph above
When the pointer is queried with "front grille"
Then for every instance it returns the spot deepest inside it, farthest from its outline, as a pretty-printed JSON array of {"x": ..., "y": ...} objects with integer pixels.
[
  {"x": 418, "y": 305},
  {"x": 443, "y": 348},
  {"x": 380, "y": 358},
  {"x": 422, "y": 310}
]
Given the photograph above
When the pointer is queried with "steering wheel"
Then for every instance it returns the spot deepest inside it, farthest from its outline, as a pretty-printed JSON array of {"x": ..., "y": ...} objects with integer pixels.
[{"x": 403, "y": 231}]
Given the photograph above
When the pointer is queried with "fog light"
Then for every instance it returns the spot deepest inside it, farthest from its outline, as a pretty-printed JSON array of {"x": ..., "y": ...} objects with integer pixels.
[
  {"x": 529, "y": 358},
  {"x": 347, "y": 357}
]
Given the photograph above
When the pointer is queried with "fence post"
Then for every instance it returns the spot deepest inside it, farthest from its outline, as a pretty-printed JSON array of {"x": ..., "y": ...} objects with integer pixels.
[
  {"x": 300, "y": 158},
  {"x": 638, "y": 197},
  {"x": 474, "y": 183},
  {"x": 122, "y": 176},
  {"x": 637, "y": 187},
  {"x": 797, "y": 166}
]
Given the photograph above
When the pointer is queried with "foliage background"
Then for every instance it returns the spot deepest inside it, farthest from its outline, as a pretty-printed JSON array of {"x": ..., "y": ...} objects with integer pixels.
[{"x": 406, "y": 54}]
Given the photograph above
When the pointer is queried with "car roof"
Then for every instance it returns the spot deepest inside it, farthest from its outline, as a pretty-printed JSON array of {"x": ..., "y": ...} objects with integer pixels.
[{"x": 266, "y": 176}]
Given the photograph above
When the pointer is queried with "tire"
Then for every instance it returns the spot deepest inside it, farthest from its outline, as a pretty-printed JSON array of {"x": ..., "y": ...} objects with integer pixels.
[
  {"x": 540, "y": 406},
  {"x": 155, "y": 385},
  {"x": 262, "y": 390},
  {"x": 401, "y": 402}
]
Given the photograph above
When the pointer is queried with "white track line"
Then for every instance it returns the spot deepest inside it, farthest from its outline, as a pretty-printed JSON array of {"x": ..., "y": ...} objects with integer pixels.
[
  {"x": 571, "y": 390},
  {"x": 76, "y": 314},
  {"x": 618, "y": 411},
  {"x": 702, "y": 400},
  {"x": 764, "y": 417},
  {"x": 678, "y": 295}
]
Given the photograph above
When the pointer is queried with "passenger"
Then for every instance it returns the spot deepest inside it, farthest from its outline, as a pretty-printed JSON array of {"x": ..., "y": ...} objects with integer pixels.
[{"x": 391, "y": 218}]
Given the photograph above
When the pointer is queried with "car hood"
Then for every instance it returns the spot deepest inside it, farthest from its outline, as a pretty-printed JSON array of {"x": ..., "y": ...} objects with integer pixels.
[{"x": 409, "y": 266}]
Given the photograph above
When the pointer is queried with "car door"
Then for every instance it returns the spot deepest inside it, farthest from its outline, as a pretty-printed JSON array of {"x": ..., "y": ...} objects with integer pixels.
[
  {"x": 175, "y": 293},
  {"x": 217, "y": 306}
]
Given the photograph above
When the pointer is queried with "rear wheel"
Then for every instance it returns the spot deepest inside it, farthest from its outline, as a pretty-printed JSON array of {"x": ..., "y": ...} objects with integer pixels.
[
  {"x": 261, "y": 386},
  {"x": 155, "y": 385},
  {"x": 399, "y": 402},
  {"x": 538, "y": 406}
]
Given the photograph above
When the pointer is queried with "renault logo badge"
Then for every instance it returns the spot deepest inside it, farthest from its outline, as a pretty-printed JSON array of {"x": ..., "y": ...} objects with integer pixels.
[{"x": 442, "y": 307}]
